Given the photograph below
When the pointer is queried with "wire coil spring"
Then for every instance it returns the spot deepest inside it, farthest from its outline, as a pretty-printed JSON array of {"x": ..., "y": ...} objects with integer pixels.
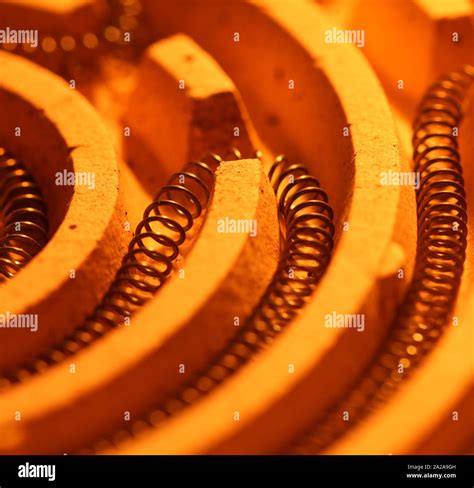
[
  {"x": 166, "y": 225},
  {"x": 164, "y": 228},
  {"x": 77, "y": 54},
  {"x": 441, "y": 249},
  {"x": 307, "y": 227},
  {"x": 23, "y": 217}
]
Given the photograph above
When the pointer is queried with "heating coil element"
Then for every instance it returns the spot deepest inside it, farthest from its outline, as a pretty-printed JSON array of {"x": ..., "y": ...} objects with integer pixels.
[
  {"x": 441, "y": 250},
  {"x": 308, "y": 231},
  {"x": 166, "y": 226},
  {"x": 23, "y": 217}
]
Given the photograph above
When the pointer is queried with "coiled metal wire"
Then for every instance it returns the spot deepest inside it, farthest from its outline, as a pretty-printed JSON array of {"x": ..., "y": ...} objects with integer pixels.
[
  {"x": 23, "y": 217},
  {"x": 307, "y": 227},
  {"x": 442, "y": 238},
  {"x": 166, "y": 224},
  {"x": 76, "y": 55}
]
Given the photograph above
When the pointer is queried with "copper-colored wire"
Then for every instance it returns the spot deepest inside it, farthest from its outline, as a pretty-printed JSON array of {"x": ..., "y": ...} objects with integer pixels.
[
  {"x": 166, "y": 224},
  {"x": 441, "y": 249},
  {"x": 77, "y": 54},
  {"x": 307, "y": 227},
  {"x": 23, "y": 217}
]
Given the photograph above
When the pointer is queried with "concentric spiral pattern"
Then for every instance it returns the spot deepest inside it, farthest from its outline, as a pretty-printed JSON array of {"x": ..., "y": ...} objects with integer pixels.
[
  {"x": 331, "y": 329},
  {"x": 23, "y": 217},
  {"x": 441, "y": 249},
  {"x": 166, "y": 226},
  {"x": 308, "y": 230}
]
